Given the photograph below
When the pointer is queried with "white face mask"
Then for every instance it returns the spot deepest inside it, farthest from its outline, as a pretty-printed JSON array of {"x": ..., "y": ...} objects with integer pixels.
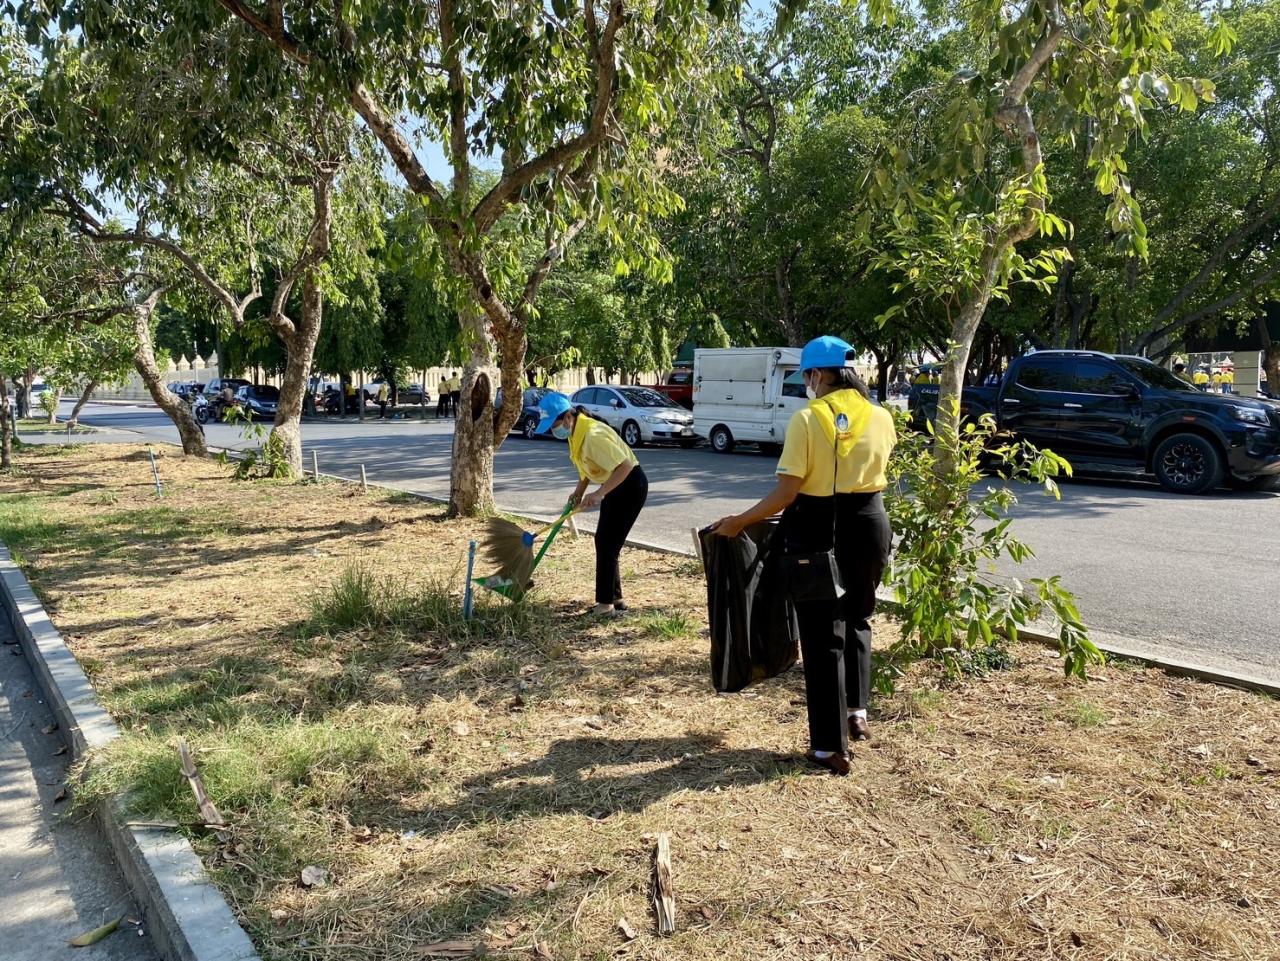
[{"x": 808, "y": 389}]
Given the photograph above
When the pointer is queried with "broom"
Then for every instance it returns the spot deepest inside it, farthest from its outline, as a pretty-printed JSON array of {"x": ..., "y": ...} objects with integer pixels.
[{"x": 510, "y": 547}]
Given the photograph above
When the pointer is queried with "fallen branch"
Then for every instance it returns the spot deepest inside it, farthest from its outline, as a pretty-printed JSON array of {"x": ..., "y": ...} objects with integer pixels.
[
  {"x": 207, "y": 810},
  {"x": 664, "y": 899}
]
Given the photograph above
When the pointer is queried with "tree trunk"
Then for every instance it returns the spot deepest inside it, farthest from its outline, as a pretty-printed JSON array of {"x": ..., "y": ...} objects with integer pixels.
[
  {"x": 24, "y": 393},
  {"x": 6, "y": 426},
  {"x": 964, "y": 325},
  {"x": 144, "y": 360},
  {"x": 300, "y": 348},
  {"x": 591, "y": 376},
  {"x": 89, "y": 388},
  {"x": 57, "y": 401},
  {"x": 791, "y": 325},
  {"x": 1270, "y": 356},
  {"x": 471, "y": 472}
]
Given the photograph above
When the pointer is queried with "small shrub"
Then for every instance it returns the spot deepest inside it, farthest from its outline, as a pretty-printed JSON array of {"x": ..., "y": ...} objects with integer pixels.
[
  {"x": 49, "y": 402},
  {"x": 950, "y": 535}
]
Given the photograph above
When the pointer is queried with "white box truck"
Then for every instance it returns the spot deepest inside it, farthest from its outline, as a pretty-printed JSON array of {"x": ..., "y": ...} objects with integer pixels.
[{"x": 746, "y": 395}]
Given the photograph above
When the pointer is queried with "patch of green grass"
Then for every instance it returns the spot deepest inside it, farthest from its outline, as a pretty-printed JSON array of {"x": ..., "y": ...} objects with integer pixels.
[
  {"x": 980, "y": 825},
  {"x": 44, "y": 427},
  {"x": 25, "y": 521},
  {"x": 277, "y": 782},
  {"x": 1083, "y": 714},
  {"x": 668, "y": 626},
  {"x": 196, "y": 697},
  {"x": 359, "y": 599},
  {"x": 1057, "y": 829},
  {"x": 917, "y": 702}
]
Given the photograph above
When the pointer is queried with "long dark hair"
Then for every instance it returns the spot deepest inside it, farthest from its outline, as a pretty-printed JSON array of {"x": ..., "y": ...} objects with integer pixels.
[{"x": 845, "y": 378}]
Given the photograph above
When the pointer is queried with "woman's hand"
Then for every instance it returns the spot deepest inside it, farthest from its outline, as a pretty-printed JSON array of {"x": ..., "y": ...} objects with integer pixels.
[
  {"x": 591, "y": 501},
  {"x": 730, "y": 526}
]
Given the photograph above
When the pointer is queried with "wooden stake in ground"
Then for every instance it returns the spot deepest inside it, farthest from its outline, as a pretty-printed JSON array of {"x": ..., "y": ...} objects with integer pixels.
[
  {"x": 664, "y": 898},
  {"x": 207, "y": 811}
]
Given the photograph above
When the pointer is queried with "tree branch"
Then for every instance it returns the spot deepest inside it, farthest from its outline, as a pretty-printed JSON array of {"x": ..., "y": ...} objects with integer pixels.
[{"x": 506, "y": 190}]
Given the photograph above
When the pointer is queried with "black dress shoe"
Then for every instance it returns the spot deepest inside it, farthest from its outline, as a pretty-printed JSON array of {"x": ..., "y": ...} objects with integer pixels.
[
  {"x": 837, "y": 764},
  {"x": 858, "y": 730}
]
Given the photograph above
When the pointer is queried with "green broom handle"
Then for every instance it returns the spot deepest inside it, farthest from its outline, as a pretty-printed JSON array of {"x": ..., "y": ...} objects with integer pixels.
[{"x": 551, "y": 534}]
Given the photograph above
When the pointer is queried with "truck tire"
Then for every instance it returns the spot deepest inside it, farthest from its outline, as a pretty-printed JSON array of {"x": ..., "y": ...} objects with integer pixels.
[
  {"x": 631, "y": 434},
  {"x": 721, "y": 439},
  {"x": 1266, "y": 483},
  {"x": 1188, "y": 464}
]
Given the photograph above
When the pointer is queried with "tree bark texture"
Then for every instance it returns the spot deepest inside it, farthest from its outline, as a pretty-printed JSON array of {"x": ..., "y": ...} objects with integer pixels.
[
  {"x": 6, "y": 425},
  {"x": 471, "y": 469},
  {"x": 144, "y": 360},
  {"x": 300, "y": 346}
]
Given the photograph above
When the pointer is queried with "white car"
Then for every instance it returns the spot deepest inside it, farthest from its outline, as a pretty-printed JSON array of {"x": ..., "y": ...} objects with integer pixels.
[{"x": 640, "y": 414}]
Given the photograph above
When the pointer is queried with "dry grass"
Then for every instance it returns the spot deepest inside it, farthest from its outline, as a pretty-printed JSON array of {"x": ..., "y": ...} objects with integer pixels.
[{"x": 501, "y": 783}]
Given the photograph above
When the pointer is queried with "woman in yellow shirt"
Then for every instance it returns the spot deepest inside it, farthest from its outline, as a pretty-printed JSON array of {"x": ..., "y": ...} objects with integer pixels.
[
  {"x": 602, "y": 457},
  {"x": 830, "y": 478}
]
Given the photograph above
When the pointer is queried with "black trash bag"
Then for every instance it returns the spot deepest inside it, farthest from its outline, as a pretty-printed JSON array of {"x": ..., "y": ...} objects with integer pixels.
[{"x": 754, "y": 631}]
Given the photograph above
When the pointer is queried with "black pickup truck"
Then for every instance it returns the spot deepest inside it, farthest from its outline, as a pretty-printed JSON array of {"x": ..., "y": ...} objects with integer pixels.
[{"x": 1125, "y": 415}]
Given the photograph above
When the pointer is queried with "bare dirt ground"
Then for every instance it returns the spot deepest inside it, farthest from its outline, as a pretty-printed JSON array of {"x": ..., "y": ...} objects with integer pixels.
[{"x": 497, "y": 786}]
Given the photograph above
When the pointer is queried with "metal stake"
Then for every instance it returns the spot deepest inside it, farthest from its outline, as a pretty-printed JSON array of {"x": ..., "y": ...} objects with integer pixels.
[
  {"x": 364, "y": 481},
  {"x": 315, "y": 467},
  {"x": 155, "y": 472},
  {"x": 467, "y": 591}
]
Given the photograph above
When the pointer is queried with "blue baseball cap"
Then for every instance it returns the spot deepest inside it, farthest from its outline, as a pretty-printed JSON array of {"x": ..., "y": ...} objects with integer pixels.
[
  {"x": 826, "y": 352},
  {"x": 552, "y": 405}
]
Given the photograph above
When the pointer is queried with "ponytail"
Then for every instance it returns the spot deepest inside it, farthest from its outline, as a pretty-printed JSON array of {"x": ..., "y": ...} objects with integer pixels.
[{"x": 846, "y": 378}]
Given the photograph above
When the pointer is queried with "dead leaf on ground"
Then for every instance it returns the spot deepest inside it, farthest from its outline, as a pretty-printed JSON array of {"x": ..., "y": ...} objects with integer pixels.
[
  {"x": 314, "y": 877},
  {"x": 1200, "y": 750},
  {"x": 628, "y": 930},
  {"x": 460, "y": 728},
  {"x": 540, "y": 950},
  {"x": 96, "y": 935},
  {"x": 61, "y": 795},
  {"x": 1024, "y": 858}
]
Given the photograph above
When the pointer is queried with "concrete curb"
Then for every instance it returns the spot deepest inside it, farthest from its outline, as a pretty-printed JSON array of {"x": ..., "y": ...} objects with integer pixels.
[{"x": 187, "y": 916}]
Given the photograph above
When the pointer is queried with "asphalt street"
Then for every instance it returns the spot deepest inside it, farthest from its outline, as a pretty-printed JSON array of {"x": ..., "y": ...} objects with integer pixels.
[{"x": 1190, "y": 577}]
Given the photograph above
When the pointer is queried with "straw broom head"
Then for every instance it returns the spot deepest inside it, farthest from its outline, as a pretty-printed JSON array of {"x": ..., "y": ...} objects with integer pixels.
[{"x": 510, "y": 547}]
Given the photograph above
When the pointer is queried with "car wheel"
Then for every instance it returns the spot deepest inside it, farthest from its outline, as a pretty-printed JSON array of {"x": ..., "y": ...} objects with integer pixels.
[
  {"x": 1266, "y": 483},
  {"x": 631, "y": 434},
  {"x": 1188, "y": 464},
  {"x": 721, "y": 439},
  {"x": 528, "y": 428}
]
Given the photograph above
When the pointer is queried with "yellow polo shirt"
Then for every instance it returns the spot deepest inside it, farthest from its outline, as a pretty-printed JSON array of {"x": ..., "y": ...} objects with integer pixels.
[
  {"x": 596, "y": 450},
  {"x": 807, "y": 452}
]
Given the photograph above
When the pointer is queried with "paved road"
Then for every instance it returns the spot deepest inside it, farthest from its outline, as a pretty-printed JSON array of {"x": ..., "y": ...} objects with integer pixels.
[
  {"x": 57, "y": 879},
  {"x": 1183, "y": 576}
]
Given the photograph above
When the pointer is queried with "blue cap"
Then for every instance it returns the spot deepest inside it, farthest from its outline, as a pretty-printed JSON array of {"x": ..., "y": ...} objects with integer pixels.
[
  {"x": 552, "y": 406},
  {"x": 826, "y": 352}
]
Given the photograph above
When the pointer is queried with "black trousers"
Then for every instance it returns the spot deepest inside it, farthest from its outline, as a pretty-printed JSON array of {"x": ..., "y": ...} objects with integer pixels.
[
  {"x": 454, "y": 398},
  {"x": 835, "y": 636},
  {"x": 618, "y": 513}
]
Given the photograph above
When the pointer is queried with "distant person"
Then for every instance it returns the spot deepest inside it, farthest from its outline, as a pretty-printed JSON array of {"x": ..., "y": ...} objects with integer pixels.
[
  {"x": 384, "y": 394},
  {"x": 1228, "y": 380},
  {"x": 442, "y": 402},
  {"x": 1201, "y": 378},
  {"x": 1180, "y": 371},
  {"x": 455, "y": 392},
  {"x": 1216, "y": 381},
  {"x": 350, "y": 395}
]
